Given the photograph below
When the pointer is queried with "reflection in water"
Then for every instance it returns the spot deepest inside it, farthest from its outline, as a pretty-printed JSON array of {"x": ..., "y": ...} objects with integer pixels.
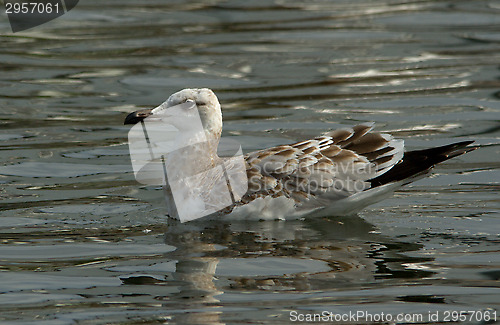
[{"x": 319, "y": 255}]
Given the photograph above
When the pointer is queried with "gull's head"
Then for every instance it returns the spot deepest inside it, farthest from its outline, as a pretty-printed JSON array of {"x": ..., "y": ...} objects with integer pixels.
[
  {"x": 205, "y": 100},
  {"x": 208, "y": 107}
]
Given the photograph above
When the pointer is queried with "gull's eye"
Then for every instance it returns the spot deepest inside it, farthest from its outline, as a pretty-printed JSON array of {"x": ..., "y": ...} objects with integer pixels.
[{"x": 189, "y": 104}]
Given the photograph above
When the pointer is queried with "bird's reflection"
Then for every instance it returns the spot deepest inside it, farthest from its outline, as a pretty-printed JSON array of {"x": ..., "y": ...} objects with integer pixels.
[{"x": 220, "y": 257}]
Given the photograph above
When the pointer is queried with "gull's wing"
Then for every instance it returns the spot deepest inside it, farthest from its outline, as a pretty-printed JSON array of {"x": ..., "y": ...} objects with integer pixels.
[
  {"x": 315, "y": 172},
  {"x": 419, "y": 162}
]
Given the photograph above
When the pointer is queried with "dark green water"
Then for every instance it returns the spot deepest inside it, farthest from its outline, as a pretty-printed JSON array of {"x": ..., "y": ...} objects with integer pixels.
[{"x": 83, "y": 243}]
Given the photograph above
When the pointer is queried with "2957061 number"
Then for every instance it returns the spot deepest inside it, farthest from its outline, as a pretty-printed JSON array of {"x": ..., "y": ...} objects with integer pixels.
[
  {"x": 470, "y": 315},
  {"x": 31, "y": 8}
]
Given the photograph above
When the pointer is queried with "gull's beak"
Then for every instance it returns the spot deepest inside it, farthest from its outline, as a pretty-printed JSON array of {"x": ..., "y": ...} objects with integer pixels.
[{"x": 137, "y": 116}]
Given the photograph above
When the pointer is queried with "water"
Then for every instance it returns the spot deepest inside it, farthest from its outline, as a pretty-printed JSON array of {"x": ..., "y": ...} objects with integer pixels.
[{"x": 83, "y": 242}]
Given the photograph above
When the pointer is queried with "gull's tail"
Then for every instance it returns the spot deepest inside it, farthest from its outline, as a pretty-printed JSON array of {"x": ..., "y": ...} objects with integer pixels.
[{"x": 418, "y": 162}]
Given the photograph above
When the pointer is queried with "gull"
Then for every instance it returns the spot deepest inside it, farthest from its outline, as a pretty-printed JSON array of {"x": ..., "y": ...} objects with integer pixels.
[{"x": 336, "y": 174}]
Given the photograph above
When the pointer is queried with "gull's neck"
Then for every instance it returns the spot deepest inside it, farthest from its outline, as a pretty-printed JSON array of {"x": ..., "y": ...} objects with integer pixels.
[{"x": 199, "y": 156}]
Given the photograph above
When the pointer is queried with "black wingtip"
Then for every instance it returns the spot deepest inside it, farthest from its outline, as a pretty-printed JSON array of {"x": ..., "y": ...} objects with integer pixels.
[
  {"x": 458, "y": 149},
  {"x": 442, "y": 153},
  {"x": 420, "y": 161}
]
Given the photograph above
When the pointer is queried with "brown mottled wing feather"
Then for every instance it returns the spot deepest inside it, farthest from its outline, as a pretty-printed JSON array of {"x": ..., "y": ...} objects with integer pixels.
[{"x": 317, "y": 171}]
